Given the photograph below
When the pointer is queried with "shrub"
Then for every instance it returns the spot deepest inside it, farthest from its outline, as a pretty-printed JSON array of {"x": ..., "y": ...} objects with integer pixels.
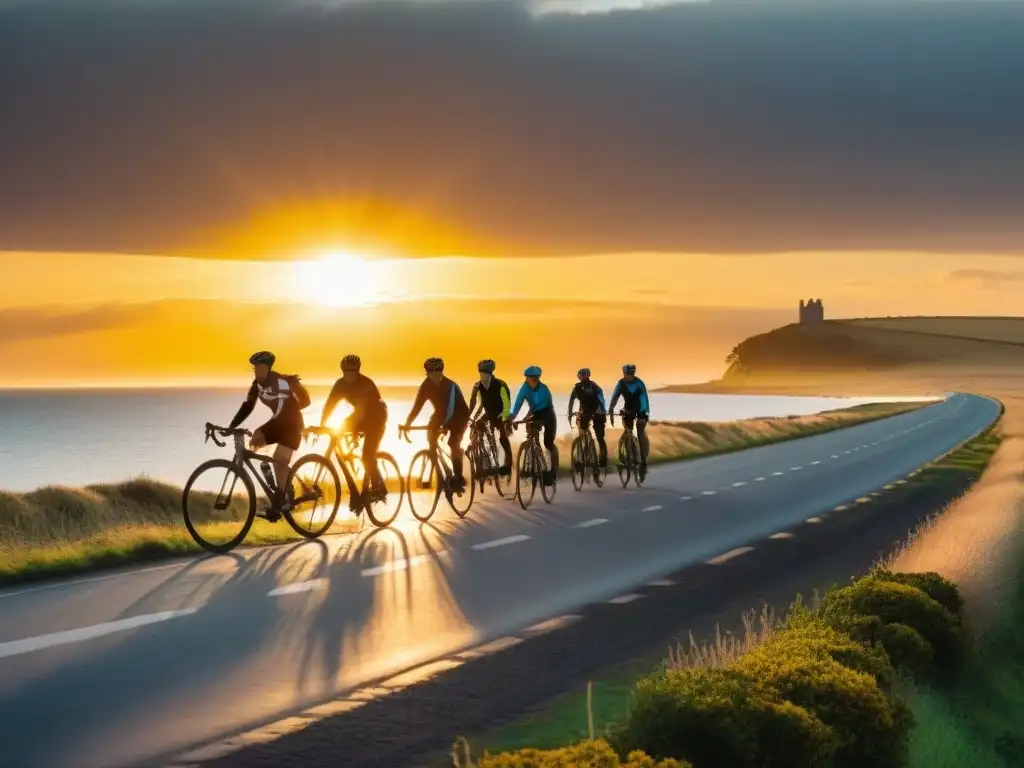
[
  {"x": 940, "y": 589},
  {"x": 908, "y": 650},
  {"x": 717, "y": 717},
  {"x": 588, "y": 754},
  {"x": 852, "y": 609},
  {"x": 807, "y": 634},
  {"x": 849, "y": 701}
]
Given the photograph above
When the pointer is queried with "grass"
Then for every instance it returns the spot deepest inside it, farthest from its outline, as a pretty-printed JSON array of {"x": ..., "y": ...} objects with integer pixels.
[
  {"x": 59, "y": 530},
  {"x": 565, "y": 720}
]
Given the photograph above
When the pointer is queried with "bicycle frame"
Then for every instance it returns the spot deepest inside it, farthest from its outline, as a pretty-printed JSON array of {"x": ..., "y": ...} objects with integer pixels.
[
  {"x": 344, "y": 457},
  {"x": 441, "y": 454},
  {"x": 244, "y": 457}
]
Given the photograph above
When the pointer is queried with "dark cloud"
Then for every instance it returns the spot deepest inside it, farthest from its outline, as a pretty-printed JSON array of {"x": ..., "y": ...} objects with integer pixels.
[{"x": 721, "y": 128}]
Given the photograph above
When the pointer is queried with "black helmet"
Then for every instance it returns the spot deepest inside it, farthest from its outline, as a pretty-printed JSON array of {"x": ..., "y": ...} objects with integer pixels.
[
  {"x": 485, "y": 366},
  {"x": 351, "y": 363},
  {"x": 264, "y": 358},
  {"x": 629, "y": 369},
  {"x": 433, "y": 364},
  {"x": 583, "y": 373}
]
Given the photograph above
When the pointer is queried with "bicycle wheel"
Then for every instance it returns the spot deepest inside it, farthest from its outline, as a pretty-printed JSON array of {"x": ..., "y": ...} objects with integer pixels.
[
  {"x": 637, "y": 481},
  {"x": 383, "y": 512},
  {"x": 579, "y": 463},
  {"x": 423, "y": 486},
  {"x": 625, "y": 463},
  {"x": 461, "y": 502},
  {"x": 502, "y": 480},
  {"x": 600, "y": 473},
  {"x": 546, "y": 491},
  {"x": 314, "y": 485},
  {"x": 211, "y": 505},
  {"x": 527, "y": 473}
]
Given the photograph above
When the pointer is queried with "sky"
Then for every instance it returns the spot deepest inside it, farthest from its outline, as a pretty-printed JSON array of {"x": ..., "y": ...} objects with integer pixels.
[{"x": 534, "y": 181}]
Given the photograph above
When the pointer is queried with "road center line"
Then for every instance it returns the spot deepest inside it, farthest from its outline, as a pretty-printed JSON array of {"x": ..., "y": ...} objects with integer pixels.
[
  {"x": 396, "y": 565},
  {"x": 685, "y": 498},
  {"x": 591, "y": 523},
  {"x": 727, "y": 556},
  {"x": 299, "y": 586},
  {"x": 29, "y": 644},
  {"x": 777, "y": 474},
  {"x": 795, "y": 469},
  {"x": 740, "y": 484},
  {"x": 759, "y": 479},
  {"x": 653, "y": 508},
  {"x": 625, "y": 598},
  {"x": 501, "y": 542},
  {"x": 813, "y": 463},
  {"x": 708, "y": 493}
]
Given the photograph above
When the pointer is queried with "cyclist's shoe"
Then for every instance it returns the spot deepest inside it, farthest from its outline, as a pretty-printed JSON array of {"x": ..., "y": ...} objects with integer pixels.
[
  {"x": 643, "y": 472},
  {"x": 355, "y": 503},
  {"x": 549, "y": 477}
]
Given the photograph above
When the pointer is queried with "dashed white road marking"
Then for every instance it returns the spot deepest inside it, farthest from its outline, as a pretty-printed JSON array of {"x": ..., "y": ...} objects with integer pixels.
[
  {"x": 625, "y": 598},
  {"x": 727, "y": 556},
  {"x": 813, "y": 463},
  {"x": 652, "y": 508},
  {"x": 685, "y": 498},
  {"x": 795, "y": 469},
  {"x": 781, "y": 535},
  {"x": 739, "y": 484},
  {"x": 396, "y": 565},
  {"x": 834, "y": 456},
  {"x": 708, "y": 493},
  {"x": 777, "y": 474},
  {"x": 591, "y": 523},
  {"x": 29, "y": 644},
  {"x": 759, "y": 479},
  {"x": 297, "y": 587},
  {"x": 840, "y": 508},
  {"x": 813, "y": 520},
  {"x": 501, "y": 542}
]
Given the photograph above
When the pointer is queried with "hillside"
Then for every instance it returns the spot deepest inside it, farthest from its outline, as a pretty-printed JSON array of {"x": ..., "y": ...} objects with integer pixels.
[{"x": 896, "y": 345}]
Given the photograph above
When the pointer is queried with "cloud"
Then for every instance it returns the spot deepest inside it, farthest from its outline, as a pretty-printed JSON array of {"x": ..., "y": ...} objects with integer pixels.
[
  {"x": 987, "y": 277},
  {"x": 158, "y": 127}
]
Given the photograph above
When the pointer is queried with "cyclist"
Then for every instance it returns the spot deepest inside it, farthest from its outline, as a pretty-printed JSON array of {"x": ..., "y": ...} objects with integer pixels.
[
  {"x": 369, "y": 416},
  {"x": 450, "y": 412},
  {"x": 495, "y": 402},
  {"x": 634, "y": 395},
  {"x": 285, "y": 397},
  {"x": 542, "y": 409},
  {"x": 592, "y": 409}
]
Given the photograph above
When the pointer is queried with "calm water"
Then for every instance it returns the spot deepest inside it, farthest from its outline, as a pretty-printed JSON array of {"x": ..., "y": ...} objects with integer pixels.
[{"x": 52, "y": 437}]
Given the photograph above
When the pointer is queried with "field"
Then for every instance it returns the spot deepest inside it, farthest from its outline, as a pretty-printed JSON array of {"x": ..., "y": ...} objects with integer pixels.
[{"x": 57, "y": 530}]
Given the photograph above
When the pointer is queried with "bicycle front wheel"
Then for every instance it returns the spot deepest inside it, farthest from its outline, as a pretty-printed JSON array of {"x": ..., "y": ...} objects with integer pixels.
[
  {"x": 383, "y": 512},
  {"x": 527, "y": 476},
  {"x": 637, "y": 481},
  {"x": 547, "y": 491},
  {"x": 218, "y": 513},
  {"x": 625, "y": 460},
  {"x": 579, "y": 463},
  {"x": 423, "y": 486},
  {"x": 314, "y": 485}
]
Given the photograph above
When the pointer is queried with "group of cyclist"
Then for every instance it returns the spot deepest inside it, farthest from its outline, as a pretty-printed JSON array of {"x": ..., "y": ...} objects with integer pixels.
[{"x": 286, "y": 397}]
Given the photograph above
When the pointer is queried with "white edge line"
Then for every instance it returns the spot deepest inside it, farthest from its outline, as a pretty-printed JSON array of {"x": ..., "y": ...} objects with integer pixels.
[{"x": 91, "y": 579}]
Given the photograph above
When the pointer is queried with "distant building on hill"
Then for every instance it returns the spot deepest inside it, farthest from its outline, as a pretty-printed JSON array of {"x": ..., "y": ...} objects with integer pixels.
[{"x": 811, "y": 312}]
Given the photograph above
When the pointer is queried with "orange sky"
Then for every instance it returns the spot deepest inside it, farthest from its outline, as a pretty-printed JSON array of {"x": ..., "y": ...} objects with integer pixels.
[{"x": 70, "y": 319}]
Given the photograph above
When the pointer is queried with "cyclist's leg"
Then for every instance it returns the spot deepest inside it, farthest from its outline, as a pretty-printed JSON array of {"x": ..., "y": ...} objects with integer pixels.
[
  {"x": 645, "y": 443},
  {"x": 373, "y": 433},
  {"x": 627, "y": 423},
  {"x": 584, "y": 421},
  {"x": 503, "y": 440},
  {"x": 456, "y": 431},
  {"x": 602, "y": 446},
  {"x": 549, "y": 421}
]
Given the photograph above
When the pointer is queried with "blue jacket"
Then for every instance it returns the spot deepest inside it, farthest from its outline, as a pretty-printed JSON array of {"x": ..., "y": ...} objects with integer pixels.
[
  {"x": 538, "y": 399},
  {"x": 634, "y": 396}
]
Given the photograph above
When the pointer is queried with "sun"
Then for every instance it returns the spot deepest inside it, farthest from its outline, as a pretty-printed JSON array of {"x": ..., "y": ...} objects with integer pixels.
[{"x": 341, "y": 279}]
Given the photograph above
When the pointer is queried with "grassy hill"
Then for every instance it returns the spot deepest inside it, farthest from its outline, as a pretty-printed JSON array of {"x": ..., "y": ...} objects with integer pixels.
[{"x": 891, "y": 345}]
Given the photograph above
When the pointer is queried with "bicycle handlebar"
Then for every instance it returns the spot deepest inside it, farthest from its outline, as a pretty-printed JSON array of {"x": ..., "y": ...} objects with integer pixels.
[
  {"x": 212, "y": 430},
  {"x": 403, "y": 431}
]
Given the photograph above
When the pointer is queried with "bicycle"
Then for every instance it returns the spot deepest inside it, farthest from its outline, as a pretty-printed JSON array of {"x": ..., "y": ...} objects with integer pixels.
[
  {"x": 629, "y": 451},
  {"x": 531, "y": 465},
  {"x": 483, "y": 453},
  {"x": 202, "y": 506},
  {"x": 378, "y": 503},
  {"x": 425, "y": 468},
  {"x": 584, "y": 455}
]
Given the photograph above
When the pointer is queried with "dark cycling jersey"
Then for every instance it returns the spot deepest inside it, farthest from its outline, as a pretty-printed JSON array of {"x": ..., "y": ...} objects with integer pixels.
[
  {"x": 495, "y": 400},
  {"x": 633, "y": 394},
  {"x": 362, "y": 394},
  {"x": 446, "y": 397},
  {"x": 275, "y": 393},
  {"x": 590, "y": 395}
]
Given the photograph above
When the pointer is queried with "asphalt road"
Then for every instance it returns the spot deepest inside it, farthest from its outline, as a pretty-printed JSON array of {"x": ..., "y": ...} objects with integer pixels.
[{"x": 130, "y": 668}]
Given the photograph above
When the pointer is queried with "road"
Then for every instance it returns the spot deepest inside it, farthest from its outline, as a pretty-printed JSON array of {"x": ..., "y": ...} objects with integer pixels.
[{"x": 129, "y": 668}]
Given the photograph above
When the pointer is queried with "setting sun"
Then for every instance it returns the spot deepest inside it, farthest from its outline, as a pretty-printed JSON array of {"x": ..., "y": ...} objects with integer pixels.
[{"x": 341, "y": 279}]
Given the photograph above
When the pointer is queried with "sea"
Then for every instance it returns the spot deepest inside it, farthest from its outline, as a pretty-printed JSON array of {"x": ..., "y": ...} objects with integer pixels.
[{"x": 77, "y": 437}]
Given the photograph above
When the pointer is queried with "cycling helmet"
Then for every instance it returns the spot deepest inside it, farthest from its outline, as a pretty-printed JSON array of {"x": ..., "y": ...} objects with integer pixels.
[
  {"x": 485, "y": 366},
  {"x": 533, "y": 370},
  {"x": 583, "y": 373},
  {"x": 351, "y": 363},
  {"x": 433, "y": 364},
  {"x": 629, "y": 369},
  {"x": 266, "y": 358}
]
